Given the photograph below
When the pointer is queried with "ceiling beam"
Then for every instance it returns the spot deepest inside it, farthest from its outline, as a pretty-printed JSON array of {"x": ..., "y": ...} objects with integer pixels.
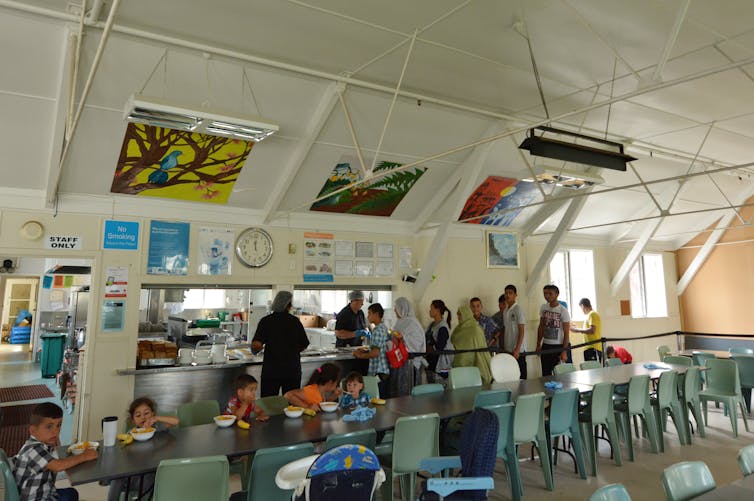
[
  {"x": 301, "y": 151},
  {"x": 437, "y": 199},
  {"x": 670, "y": 42},
  {"x": 639, "y": 246},
  {"x": 543, "y": 263}
]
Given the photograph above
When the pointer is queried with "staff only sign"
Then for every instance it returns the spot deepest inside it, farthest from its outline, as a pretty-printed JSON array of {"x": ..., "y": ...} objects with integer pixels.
[{"x": 65, "y": 242}]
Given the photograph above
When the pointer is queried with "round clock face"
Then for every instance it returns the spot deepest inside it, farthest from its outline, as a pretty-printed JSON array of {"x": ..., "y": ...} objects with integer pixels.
[{"x": 254, "y": 247}]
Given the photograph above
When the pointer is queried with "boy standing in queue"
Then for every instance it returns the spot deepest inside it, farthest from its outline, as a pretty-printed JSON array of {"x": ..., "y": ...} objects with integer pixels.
[{"x": 553, "y": 331}]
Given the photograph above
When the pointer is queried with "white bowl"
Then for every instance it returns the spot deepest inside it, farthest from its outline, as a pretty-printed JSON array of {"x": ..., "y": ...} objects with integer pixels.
[
  {"x": 225, "y": 420},
  {"x": 293, "y": 412},
  {"x": 80, "y": 447},
  {"x": 142, "y": 434},
  {"x": 329, "y": 406}
]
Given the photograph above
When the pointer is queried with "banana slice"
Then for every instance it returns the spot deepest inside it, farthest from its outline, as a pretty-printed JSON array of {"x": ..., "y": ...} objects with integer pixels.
[
  {"x": 243, "y": 424},
  {"x": 125, "y": 438},
  {"x": 378, "y": 401},
  {"x": 310, "y": 412}
]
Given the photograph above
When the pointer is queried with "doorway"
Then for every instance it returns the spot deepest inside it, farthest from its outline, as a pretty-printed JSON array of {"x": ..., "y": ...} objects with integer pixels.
[{"x": 19, "y": 309}]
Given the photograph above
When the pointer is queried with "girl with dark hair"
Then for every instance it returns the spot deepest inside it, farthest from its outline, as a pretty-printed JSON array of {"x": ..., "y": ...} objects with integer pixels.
[
  {"x": 438, "y": 339},
  {"x": 322, "y": 387}
]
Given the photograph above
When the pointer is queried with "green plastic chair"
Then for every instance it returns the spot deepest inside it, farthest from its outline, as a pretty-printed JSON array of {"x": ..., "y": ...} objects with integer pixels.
[
  {"x": 723, "y": 385},
  {"x": 272, "y": 405},
  {"x": 563, "y": 369},
  {"x": 564, "y": 422},
  {"x": 745, "y": 364},
  {"x": 427, "y": 389},
  {"x": 690, "y": 398},
  {"x": 663, "y": 350},
  {"x": 265, "y": 465},
  {"x": 367, "y": 438},
  {"x": 486, "y": 398},
  {"x": 638, "y": 404},
  {"x": 700, "y": 358},
  {"x": 199, "y": 412},
  {"x": 667, "y": 402},
  {"x": 415, "y": 438},
  {"x": 529, "y": 426},
  {"x": 741, "y": 351},
  {"x": 613, "y": 362},
  {"x": 590, "y": 364},
  {"x": 10, "y": 488},
  {"x": 687, "y": 480},
  {"x": 677, "y": 360},
  {"x": 464, "y": 377},
  {"x": 600, "y": 413},
  {"x": 746, "y": 460},
  {"x": 371, "y": 386},
  {"x": 506, "y": 448},
  {"x": 611, "y": 492},
  {"x": 203, "y": 478}
]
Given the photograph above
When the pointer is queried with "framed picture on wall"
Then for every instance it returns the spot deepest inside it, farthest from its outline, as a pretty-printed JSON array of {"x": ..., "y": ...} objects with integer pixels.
[{"x": 502, "y": 249}]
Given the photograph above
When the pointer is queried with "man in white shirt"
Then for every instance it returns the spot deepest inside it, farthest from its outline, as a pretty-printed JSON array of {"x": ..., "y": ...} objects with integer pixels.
[
  {"x": 553, "y": 331},
  {"x": 514, "y": 328}
]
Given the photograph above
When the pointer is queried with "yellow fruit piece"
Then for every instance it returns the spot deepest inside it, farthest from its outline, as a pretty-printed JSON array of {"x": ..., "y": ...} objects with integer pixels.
[
  {"x": 310, "y": 412},
  {"x": 378, "y": 401},
  {"x": 122, "y": 436},
  {"x": 125, "y": 438},
  {"x": 243, "y": 424}
]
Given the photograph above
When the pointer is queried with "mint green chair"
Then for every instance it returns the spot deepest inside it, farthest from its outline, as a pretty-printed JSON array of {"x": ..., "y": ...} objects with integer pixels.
[
  {"x": 590, "y": 364},
  {"x": 563, "y": 369},
  {"x": 687, "y": 480},
  {"x": 10, "y": 488},
  {"x": 486, "y": 398},
  {"x": 746, "y": 460},
  {"x": 204, "y": 478},
  {"x": 745, "y": 364},
  {"x": 265, "y": 465},
  {"x": 741, "y": 351},
  {"x": 416, "y": 438},
  {"x": 667, "y": 402},
  {"x": 371, "y": 386},
  {"x": 506, "y": 447},
  {"x": 427, "y": 389},
  {"x": 564, "y": 422},
  {"x": 613, "y": 362},
  {"x": 273, "y": 405},
  {"x": 611, "y": 492},
  {"x": 663, "y": 350},
  {"x": 723, "y": 385},
  {"x": 367, "y": 438},
  {"x": 638, "y": 405},
  {"x": 464, "y": 377},
  {"x": 678, "y": 360},
  {"x": 700, "y": 358},
  {"x": 529, "y": 426},
  {"x": 600, "y": 413},
  {"x": 690, "y": 398},
  {"x": 199, "y": 412}
]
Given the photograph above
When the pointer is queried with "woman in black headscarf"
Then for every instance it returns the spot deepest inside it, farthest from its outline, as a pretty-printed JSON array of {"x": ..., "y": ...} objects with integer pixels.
[{"x": 283, "y": 338}]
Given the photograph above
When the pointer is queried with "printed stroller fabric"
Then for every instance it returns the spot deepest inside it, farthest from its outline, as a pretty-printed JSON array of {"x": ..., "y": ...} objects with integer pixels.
[{"x": 344, "y": 458}]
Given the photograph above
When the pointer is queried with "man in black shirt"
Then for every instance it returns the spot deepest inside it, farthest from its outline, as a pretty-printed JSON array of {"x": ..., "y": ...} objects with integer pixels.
[{"x": 350, "y": 324}]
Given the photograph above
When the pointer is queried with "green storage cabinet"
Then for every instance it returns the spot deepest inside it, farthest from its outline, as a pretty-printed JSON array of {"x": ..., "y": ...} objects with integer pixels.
[{"x": 52, "y": 353}]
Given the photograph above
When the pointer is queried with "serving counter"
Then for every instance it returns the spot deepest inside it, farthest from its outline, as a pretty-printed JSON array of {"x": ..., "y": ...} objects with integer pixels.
[{"x": 170, "y": 387}]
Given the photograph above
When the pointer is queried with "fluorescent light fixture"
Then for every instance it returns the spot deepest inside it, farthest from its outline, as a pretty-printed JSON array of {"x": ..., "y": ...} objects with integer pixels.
[
  {"x": 214, "y": 122},
  {"x": 566, "y": 178},
  {"x": 591, "y": 151}
]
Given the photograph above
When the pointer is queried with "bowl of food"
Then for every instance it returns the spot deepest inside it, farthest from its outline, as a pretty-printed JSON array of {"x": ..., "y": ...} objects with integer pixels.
[
  {"x": 329, "y": 406},
  {"x": 80, "y": 447},
  {"x": 142, "y": 434},
  {"x": 293, "y": 411},
  {"x": 225, "y": 420}
]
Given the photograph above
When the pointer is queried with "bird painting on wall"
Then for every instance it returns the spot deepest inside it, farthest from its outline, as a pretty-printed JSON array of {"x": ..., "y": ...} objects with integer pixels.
[{"x": 169, "y": 161}]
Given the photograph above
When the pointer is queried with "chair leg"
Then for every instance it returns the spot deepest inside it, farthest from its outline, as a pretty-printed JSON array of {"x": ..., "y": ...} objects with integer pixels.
[
  {"x": 681, "y": 422},
  {"x": 696, "y": 410},
  {"x": 578, "y": 450},
  {"x": 658, "y": 415},
  {"x": 514, "y": 474},
  {"x": 626, "y": 426},
  {"x": 612, "y": 432},
  {"x": 743, "y": 415},
  {"x": 587, "y": 433},
  {"x": 652, "y": 431},
  {"x": 704, "y": 408},
  {"x": 546, "y": 462}
]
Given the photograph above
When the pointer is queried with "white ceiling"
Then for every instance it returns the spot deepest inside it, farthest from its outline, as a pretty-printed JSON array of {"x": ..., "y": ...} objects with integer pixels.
[{"x": 468, "y": 75}]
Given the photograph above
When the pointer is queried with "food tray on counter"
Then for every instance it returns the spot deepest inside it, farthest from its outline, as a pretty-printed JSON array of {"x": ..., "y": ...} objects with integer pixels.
[{"x": 156, "y": 362}]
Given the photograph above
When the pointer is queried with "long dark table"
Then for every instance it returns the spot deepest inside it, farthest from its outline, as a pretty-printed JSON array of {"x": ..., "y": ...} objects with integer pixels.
[{"x": 619, "y": 374}]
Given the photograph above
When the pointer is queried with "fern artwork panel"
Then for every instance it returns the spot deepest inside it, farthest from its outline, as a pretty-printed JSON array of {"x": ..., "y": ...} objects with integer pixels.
[
  {"x": 499, "y": 200},
  {"x": 370, "y": 198},
  {"x": 169, "y": 163}
]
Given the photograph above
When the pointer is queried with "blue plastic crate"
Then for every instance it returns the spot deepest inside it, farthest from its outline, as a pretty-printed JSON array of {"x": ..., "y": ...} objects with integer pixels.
[{"x": 20, "y": 335}]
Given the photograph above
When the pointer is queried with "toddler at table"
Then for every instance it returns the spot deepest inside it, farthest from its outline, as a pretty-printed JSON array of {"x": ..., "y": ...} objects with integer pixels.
[
  {"x": 37, "y": 464},
  {"x": 242, "y": 403},
  {"x": 355, "y": 394},
  {"x": 141, "y": 414},
  {"x": 322, "y": 387}
]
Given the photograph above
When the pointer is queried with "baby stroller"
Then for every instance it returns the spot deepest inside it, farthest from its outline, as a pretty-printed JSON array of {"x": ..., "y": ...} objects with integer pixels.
[{"x": 348, "y": 472}]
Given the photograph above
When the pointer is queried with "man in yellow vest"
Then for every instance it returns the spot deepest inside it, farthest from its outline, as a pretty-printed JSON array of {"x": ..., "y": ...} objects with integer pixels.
[{"x": 592, "y": 331}]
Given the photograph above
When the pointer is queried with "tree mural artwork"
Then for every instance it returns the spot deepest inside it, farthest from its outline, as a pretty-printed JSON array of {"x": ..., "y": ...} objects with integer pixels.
[{"x": 162, "y": 162}]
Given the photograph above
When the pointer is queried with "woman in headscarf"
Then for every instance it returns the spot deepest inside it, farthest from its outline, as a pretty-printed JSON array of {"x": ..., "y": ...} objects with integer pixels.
[
  {"x": 469, "y": 336},
  {"x": 413, "y": 335},
  {"x": 283, "y": 338}
]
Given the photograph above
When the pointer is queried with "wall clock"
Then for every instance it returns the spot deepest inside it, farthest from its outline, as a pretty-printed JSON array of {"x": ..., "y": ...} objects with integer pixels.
[{"x": 254, "y": 247}]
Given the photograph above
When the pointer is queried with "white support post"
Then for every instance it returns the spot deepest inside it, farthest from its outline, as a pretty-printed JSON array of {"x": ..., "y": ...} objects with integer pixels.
[
  {"x": 539, "y": 218},
  {"x": 304, "y": 146},
  {"x": 634, "y": 254}
]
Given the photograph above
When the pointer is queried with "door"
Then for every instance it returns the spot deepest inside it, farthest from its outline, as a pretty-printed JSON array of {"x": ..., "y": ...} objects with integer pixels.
[{"x": 20, "y": 294}]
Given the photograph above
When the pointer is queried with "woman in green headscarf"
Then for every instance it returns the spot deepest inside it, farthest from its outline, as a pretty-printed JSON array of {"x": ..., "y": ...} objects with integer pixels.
[{"x": 469, "y": 336}]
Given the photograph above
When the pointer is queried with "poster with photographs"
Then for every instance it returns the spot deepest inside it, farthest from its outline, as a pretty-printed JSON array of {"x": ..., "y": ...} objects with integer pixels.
[
  {"x": 215, "y": 250},
  {"x": 344, "y": 267},
  {"x": 384, "y": 268},
  {"x": 319, "y": 260},
  {"x": 364, "y": 268}
]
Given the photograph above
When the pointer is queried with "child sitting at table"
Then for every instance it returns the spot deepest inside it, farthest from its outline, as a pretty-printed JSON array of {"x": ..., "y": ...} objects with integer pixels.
[
  {"x": 619, "y": 352},
  {"x": 322, "y": 387},
  {"x": 355, "y": 394},
  {"x": 142, "y": 414},
  {"x": 37, "y": 464},
  {"x": 242, "y": 403}
]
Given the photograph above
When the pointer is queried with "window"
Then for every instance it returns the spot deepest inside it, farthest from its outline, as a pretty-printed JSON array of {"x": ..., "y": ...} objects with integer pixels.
[
  {"x": 647, "y": 280},
  {"x": 331, "y": 301},
  {"x": 572, "y": 271}
]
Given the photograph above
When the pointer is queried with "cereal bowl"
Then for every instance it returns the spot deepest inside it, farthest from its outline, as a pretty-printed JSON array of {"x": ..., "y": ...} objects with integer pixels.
[
  {"x": 293, "y": 412},
  {"x": 329, "y": 406},
  {"x": 142, "y": 434},
  {"x": 80, "y": 447},
  {"x": 225, "y": 420}
]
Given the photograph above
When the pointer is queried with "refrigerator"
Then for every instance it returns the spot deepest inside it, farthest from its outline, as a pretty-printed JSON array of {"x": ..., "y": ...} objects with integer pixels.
[{"x": 77, "y": 323}]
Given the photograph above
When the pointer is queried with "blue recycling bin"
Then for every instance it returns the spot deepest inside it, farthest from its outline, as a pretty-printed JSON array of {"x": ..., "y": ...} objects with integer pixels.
[{"x": 53, "y": 345}]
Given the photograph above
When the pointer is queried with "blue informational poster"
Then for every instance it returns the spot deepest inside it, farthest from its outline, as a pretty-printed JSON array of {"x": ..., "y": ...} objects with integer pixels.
[
  {"x": 168, "y": 248},
  {"x": 122, "y": 235}
]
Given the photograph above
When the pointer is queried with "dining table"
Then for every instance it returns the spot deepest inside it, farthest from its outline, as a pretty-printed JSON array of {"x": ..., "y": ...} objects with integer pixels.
[
  {"x": 742, "y": 488},
  {"x": 724, "y": 354},
  {"x": 621, "y": 374}
]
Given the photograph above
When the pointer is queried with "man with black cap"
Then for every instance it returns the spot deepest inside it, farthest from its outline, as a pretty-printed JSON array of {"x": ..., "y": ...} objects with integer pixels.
[
  {"x": 283, "y": 338},
  {"x": 350, "y": 324}
]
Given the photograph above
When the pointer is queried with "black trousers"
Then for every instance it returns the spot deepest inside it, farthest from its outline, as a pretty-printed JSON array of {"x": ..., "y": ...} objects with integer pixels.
[
  {"x": 272, "y": 386},
  {"x": 592, "y": 354},
  {"x": 550, "y": 360},
  {"x": 522, "y": 366}
]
